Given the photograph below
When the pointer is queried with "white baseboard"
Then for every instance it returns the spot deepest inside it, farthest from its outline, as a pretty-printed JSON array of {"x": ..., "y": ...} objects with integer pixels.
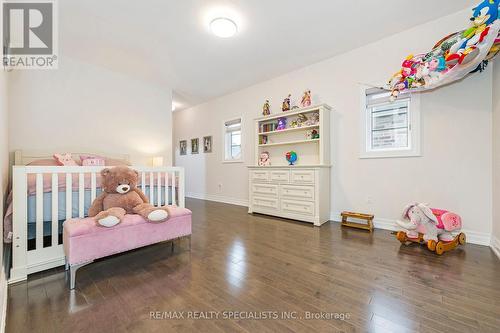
[
  {"x": 473, "y": 237},
  {"x": 495, "y": 245},
  {"x": 218, "y": 198}
]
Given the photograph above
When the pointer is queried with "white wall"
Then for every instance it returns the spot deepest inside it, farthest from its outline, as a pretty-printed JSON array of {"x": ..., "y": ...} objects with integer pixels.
[
  {"x": 85, "y": 106},
  {"x": 4, "y": 173},
  {"x": 495, "y": 242},
  {"x": 455, "y": 171}
]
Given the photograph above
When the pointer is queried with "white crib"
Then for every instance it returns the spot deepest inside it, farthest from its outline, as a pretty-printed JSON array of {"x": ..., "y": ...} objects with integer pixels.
[{"x": 164, "y": 184}]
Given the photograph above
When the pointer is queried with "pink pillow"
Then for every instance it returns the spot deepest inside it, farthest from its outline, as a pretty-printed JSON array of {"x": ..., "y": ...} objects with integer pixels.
[
  {"x": 65, "y": 159},
  {"x": 89, "y": 160}
]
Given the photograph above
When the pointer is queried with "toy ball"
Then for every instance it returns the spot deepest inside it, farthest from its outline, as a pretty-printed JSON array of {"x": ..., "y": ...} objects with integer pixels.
[{"x": 291, "y": 157}]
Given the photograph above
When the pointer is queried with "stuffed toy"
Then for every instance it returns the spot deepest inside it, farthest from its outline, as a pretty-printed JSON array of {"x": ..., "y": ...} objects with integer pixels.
[
  {"x": 306, "y": 99},
  {"x": 264, "y": 159},
  {"x": 65, "y": 159},
  {"x": 454, "y": 56},
  {"x": 433, "y": 223},
  {"x": 432, "y": 226},
  {"x": 281, "y": 124},
  {"x": 121, "y": 196}
]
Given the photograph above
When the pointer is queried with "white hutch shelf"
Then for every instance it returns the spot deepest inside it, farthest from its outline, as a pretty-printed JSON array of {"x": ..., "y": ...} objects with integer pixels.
[{"x": 300, "y": 191}]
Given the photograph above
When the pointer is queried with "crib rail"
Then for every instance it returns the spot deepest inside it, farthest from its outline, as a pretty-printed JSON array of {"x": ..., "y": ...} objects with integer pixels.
[{"x": 78, "y": 186}]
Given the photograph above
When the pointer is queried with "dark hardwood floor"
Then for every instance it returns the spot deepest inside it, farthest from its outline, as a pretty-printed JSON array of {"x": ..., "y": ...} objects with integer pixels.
[{"x": 242, "y": 265}]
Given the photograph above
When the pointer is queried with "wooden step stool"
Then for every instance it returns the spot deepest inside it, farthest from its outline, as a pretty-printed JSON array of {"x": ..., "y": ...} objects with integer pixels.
[{"x": 367, "y": 217}]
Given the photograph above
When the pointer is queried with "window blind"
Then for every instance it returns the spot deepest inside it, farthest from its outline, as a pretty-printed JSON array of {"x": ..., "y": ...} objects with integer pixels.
[
  {"x": 378, "y": 96},
  {"x": 233, "y": 125}
]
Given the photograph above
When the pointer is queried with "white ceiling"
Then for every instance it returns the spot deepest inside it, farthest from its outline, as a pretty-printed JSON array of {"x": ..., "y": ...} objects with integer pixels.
[{"x": 168, "y": 42}]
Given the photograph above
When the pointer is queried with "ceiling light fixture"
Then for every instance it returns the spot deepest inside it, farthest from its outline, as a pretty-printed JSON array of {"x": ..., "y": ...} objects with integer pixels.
[{"x": 223, "y": 27}]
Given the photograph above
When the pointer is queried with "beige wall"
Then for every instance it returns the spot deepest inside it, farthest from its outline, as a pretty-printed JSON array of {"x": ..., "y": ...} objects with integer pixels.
[
  {"x": 495, "y": 242},
  {"x": 455, "y": 171},
  {"x": 82, "y": 106}
]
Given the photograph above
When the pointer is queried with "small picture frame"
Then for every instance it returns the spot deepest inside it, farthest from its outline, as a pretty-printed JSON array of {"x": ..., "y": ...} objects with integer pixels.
[
  {"x": 183, "y": 147},
  {"x": 195, "y": 146},
  {"x": 207, "y": 144}
]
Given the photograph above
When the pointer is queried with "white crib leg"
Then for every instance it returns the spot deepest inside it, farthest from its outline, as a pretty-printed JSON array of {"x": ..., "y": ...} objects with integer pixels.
[{"x": 72, "y": 273}]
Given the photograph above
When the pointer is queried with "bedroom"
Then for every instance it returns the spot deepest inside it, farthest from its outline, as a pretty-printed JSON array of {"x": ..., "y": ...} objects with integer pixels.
[{"x": 151, "y": 85}]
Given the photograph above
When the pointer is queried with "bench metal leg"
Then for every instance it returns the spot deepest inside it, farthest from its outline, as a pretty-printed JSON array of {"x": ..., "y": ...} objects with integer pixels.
[
  {"x": 72, "y": 273},
  {"x": 66, "y": 264},
  {"x": 189, "y": 242}
]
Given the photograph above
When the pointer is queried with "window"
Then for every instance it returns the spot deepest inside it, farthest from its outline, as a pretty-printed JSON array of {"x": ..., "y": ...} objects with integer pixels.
[
  {"x": 232, "y": 140},
  {"x": 390, "y": 129}
]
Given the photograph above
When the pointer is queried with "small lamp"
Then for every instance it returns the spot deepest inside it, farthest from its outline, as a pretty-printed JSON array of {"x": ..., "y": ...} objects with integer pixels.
[{"x": 158, "y": 161}]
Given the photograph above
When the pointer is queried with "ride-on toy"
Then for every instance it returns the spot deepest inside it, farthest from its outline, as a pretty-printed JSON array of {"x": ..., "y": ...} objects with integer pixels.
[{"x": 422, "y": 224}]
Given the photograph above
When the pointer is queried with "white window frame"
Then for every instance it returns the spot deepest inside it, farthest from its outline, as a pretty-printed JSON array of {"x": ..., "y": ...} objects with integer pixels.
[
  {"x": 414, "y": 130},
  {"x": 224, "y": 143}
]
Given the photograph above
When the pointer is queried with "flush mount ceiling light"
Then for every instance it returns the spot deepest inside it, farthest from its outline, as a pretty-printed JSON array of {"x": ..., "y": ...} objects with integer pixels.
[{"x": 223, "y": 27}]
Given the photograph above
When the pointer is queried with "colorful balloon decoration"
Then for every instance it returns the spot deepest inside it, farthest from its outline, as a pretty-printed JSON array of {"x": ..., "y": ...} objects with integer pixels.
[
  {"x": 291, "y": 157},
  {"x": 455, "y": 56}
]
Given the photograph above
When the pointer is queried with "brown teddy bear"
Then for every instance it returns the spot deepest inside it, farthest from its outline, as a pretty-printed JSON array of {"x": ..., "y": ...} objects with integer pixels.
[{"x": 121, "y": 196}]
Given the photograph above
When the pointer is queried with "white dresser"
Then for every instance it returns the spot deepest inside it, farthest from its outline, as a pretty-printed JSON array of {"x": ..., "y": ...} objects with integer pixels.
[
  {"x": 301, "y": 191},
  {"x": 295, "y": 192}
]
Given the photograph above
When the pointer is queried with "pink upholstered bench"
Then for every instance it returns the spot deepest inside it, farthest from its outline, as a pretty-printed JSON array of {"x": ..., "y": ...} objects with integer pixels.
[{"x": 85, "y": 242}]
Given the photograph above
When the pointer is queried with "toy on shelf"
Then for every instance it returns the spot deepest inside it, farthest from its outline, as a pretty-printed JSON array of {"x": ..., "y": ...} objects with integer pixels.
[
  {"x": 294, "y": 124},
  {"x": 358, "y": 216},
  {"x": 306, "y": 99},
  {"x": 266, "y": 109},
  {"x": 263, "y": 139},
  {"x": 281, "y": 124},
  {"x": 264, "y": 159},
  {"x": 314, "y": 134},
  {"x": 286, "y": 103},
  {"x": 313, "y": 119},
  {"x": 432, "y": 226},
  {"x": 453, "y": 57},
  {"x": 309, "y": 135},
  {"x": 301, "y": 119},
  {"x": 291, "y": 157}
]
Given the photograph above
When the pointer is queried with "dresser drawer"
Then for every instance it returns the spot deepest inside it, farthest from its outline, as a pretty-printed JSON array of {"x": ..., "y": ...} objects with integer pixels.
[
  {"x": 297, "y": 207},
  {"x": 259, "y": 175},
  {"x": 282, "y": 176},
  {"x": 265, "y": 203},
  {"x": 297, "y": 192},
  {"x": 265, "y": 189},
  {"x": 303, "y": 176}
]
